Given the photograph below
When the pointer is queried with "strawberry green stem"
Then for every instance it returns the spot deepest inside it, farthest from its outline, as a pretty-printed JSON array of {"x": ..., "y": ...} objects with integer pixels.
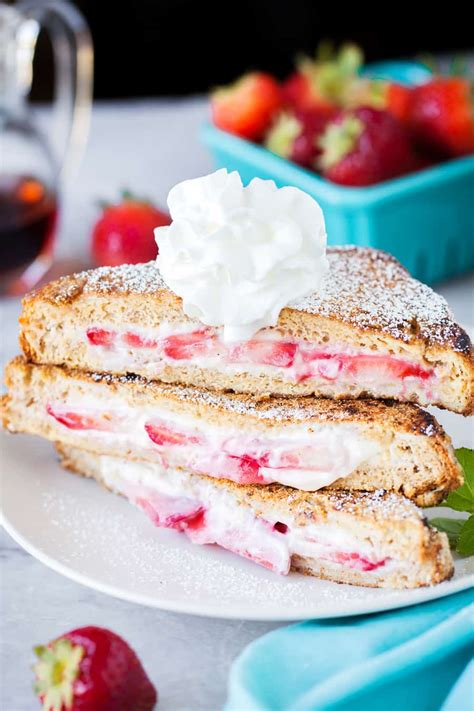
[
  {"x": 338, "y": 140},
  {"x": 56, "y": 671}
]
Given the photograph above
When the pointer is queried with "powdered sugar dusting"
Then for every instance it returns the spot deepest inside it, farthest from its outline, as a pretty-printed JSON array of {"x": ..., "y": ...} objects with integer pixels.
[
  {"x": 127, "y": 278},
  {"x": 370, "y": 289},
  {"x": 364, "y": 287},
  {"x": 380, "y": 504},
  {"x": 278, "y": 410},
  {"x": 124, "y": 279}
]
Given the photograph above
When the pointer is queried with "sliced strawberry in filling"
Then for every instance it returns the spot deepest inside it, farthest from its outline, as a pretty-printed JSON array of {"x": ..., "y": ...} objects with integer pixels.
[
  {"x": 135, "y": 341},
  {"x": 164, "y": 436},
  {"x": 280, "y": 355},
  {"x": 80, "y": 420},
  {"x": 246, "y": 469},
  {"x": 179, "y": 513},
  {"x": 360, "y": 367},
  {"x": 355, "y": 560},
  {"x": 253, "y": 541},
  {"x": 186, "y": 346},
  {"x": 258, "y": 540},
  {"x": 101, "y": 337},
  {"x": 385, "y": 368}
]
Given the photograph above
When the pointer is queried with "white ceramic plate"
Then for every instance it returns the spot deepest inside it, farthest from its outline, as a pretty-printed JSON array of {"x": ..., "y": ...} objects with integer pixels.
[{"x": 101, "y": 541}]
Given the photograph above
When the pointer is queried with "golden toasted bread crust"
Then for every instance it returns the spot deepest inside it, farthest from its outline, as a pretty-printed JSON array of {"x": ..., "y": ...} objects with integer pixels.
[
  {"x": 366, "y": 288},
  {"x": 389, "y": 520},
  {"x": 403, "y": 417},
  {"x": 415, "y": 457},
  {"x": 368, "y": 301}
]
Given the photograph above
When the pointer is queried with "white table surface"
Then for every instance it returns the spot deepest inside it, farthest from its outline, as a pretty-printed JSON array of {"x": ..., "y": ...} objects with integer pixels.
[{"x": 147, "y": 147}]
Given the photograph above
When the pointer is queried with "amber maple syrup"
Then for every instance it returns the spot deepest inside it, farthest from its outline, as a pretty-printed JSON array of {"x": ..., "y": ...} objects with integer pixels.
[{"x": 28, "y": 215}]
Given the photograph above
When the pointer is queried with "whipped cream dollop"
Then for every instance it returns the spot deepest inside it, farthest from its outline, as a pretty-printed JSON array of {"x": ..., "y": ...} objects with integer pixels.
[{"x": 237, "y": 255}]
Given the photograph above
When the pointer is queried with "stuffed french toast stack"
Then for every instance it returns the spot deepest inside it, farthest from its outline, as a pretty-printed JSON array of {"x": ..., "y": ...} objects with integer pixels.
[{"x": 254, "y": 390}]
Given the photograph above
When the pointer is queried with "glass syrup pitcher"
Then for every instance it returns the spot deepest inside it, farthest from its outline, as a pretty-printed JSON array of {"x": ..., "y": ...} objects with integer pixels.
[{"x": 33, "y": 164}]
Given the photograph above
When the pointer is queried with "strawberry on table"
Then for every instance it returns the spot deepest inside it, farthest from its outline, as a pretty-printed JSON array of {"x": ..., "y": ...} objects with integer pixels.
[
  {"x": 246, "y": 108},
  {"x": 295, "y": 136},
  {"x": 363, "y": 147},
  {"x": 124, "y": 232},
  {"x": 442, "y": 116},
  {"x": 92, "y": 669}
]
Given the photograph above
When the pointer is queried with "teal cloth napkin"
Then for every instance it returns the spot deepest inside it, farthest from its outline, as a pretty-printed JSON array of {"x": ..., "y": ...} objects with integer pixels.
[{"x": 414, "y": 658}]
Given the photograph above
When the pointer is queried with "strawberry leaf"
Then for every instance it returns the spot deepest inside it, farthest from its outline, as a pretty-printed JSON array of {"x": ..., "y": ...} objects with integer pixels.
[
  {"x": 451, "y": 526},
  {"x": 465, "y": 544},
  {"x": 462, "y": 499}
]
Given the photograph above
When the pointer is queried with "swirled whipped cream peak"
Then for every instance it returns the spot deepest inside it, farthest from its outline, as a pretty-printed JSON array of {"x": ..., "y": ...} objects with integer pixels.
[{"x": 237, "y": 255}]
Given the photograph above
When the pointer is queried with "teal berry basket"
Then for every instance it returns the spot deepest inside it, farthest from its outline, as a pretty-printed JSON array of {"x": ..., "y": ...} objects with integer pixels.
[{"x": 425, "y": 219}]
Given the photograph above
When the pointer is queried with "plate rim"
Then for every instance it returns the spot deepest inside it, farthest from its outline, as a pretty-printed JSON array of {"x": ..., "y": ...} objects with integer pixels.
[
  {"x": 234, "y": 612},
  {"x": 195, "y": 605}
]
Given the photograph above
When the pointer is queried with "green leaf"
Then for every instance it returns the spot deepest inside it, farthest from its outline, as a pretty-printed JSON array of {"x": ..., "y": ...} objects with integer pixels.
[
  {"x": 451, "y": 526},
  {"x": 462, "y": 499},
  {"x": 466, "y": 539}
]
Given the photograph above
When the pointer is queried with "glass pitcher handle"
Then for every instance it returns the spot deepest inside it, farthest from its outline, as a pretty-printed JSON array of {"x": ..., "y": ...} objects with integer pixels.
[{"x": 74, "y": 63}]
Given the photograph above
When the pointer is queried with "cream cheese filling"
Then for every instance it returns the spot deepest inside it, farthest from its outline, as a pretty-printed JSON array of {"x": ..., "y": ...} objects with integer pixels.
[
  {"x": 327, "y": 371},
  {"x": 226, "y": 519},
  {"x": 304, "y": 456}
]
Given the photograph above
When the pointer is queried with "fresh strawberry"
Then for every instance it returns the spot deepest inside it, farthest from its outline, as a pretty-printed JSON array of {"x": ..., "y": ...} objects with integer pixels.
[
  {"x": 124, "y": 232},
  {"x": 101, "y": 337},
  {"x": 164, "y": 436},
  {"x": 321, "y": 84},
  {"x": 246, "y": 107},
  {"x": 274, "y": 353},
  {"x": 79, "y": 420},
  {"x": 442, "y": 116},
  {"x": 300, "y": 91},
  {"x": 363, "y": 147},
  {"x": 92, "y": 669},
  {"x": 186, "y": 346},
  {"x": 295, "y": 136},
  {"x": 398, "y": 100}
]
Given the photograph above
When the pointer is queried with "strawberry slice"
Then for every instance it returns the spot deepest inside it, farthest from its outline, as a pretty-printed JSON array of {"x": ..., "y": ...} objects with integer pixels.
[
  {"x": 280, "y": 355},
  {"x": 80, "y": 420},
  {"x": 308, "y": 355},
  {"x": 362, "y": 367},
  {"x": 172, "y": 512},
  {"x": 257, "y": 541},
  {"x": 385, "y": 368},
  {"x": 248, "y": 470},
  {"x": 135, "y": 341},
  {"x": 356, "y": 561},
  {"x": 164, "y": 436},
  {"x": 186, "y": 346},
  {"x": 101, "y": 337},
  {"x": 243, "y": 469}
]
